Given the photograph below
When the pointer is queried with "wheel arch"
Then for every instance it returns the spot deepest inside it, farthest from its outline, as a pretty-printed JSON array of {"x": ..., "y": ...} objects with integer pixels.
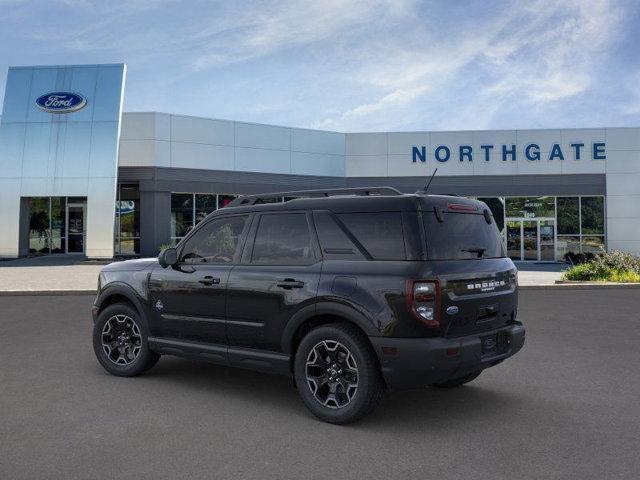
[
  {"x": 318, "y": 314},
  {"x": 119, "y": 293}
]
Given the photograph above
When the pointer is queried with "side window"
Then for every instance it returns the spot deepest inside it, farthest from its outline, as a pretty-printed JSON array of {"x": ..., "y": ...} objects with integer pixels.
[
  {"x": 379, "y": 233},
  {"x": 334, "y": 242},
  {"x": 283, "y": 239},
  {"x": 215, "y": 242}
]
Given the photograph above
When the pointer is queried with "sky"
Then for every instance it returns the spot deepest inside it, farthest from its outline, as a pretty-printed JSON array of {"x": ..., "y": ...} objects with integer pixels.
[{"x": 348, "y": 65}]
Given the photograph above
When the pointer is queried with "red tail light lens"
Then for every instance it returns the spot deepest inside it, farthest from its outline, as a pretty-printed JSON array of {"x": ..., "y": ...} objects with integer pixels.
[
  {"x": 423, "y": 301},
  {"x": 461, "y": 207}
]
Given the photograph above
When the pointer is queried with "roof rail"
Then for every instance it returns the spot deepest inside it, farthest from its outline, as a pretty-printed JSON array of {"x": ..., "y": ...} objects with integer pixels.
[{"x": 243, "y": 200}]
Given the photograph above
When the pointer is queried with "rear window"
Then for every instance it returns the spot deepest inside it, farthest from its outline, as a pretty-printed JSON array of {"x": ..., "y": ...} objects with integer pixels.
[
  {"x": 461, "y": 236},
  {"x": 379, "y": 233}
]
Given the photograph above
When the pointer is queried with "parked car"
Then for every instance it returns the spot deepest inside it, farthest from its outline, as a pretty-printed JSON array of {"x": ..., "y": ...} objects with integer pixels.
[{"x": 350, "y": 292}]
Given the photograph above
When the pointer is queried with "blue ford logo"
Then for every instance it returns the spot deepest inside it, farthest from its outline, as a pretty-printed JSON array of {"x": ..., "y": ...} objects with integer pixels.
[
  {"x": 61, "y": 102},
  {"x": 452, "y": 310}
]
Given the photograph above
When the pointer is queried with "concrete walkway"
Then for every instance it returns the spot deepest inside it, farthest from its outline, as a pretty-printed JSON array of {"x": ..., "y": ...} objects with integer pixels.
[
  {"x": 531, "y": 274},
  {"x": 70, "y": 274},
  {"x": 48, "y": 274}
]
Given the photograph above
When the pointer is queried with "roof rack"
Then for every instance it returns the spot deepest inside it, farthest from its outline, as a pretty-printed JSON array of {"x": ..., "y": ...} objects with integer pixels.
[{"x": 243, "y": 200}]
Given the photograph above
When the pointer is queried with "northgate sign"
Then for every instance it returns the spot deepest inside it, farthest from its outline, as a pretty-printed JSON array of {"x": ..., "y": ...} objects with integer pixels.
[{"x": 531, "y": 152}]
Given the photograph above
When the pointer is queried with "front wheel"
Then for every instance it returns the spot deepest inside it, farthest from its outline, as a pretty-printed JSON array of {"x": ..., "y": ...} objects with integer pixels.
[
  {"x": 337, "y": 374},
  {"x": 120, "y": 341}
]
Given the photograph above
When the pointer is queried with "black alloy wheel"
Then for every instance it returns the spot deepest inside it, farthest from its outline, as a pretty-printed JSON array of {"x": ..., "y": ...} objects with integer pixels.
[
  {"x": 337, "y": 373},
  {"x": 332, "y": 374},
  {"x": 120, "y": 341}
]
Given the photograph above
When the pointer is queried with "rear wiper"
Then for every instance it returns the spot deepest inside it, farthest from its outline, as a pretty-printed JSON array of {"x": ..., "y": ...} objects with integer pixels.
[{"x": 479, "y": 250}]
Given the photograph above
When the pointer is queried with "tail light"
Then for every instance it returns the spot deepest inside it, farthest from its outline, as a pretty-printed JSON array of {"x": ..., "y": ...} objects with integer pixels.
[
  {"x": 461, "y": 207},
  {"x": 423, "y": 301}
]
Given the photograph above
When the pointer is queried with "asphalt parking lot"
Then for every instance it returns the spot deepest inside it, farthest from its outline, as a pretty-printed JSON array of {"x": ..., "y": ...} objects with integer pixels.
[{"x": 567, "y": 407}]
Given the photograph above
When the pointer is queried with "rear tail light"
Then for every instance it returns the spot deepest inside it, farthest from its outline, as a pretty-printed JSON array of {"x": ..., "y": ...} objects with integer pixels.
[
  {"x": 423, "y": 301},
  {"x": 461, "y": 207}
]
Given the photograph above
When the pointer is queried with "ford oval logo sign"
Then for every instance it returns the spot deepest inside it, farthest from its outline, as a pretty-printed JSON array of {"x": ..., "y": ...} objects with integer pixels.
[{"x": 61, "y": 102}]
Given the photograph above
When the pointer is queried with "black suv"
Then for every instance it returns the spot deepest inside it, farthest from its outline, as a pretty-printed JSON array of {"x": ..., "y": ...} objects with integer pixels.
[{"x": 348, "y": 291}]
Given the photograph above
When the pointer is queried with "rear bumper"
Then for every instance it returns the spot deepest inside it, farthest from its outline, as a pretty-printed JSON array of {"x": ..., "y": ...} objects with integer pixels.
[{"x": 415, "y": 362}]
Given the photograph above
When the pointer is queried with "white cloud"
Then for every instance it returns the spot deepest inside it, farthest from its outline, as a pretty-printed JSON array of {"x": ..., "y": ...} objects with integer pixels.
[
  {"x": 551, "y": 57},
  {"x": 287, "y": 24},
  {"x": 350, "y": 64},
  {"x": 534, "y": 55}
]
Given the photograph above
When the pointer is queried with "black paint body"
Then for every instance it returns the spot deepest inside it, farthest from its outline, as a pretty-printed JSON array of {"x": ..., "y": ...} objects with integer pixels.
[{"x": 253, "y": 316}]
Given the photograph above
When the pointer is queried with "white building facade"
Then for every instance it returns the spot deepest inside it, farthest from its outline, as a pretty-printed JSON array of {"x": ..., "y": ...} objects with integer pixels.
[{"x": 553, "y": 192}]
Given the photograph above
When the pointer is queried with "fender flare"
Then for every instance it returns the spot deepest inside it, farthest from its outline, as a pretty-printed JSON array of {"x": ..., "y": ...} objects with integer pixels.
[
  {"x": 347, "y": 312},
  {"x": 119, "y": 288}
]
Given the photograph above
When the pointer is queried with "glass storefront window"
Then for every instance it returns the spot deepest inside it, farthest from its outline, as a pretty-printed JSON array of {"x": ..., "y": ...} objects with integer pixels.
[
  {"x": 48, "y": 228},
  {"x": 181, "y": 214},
  {"x": 58, "y": 217},
  {"x": 128, "y": 246},
  {"x": 530, "y": 207},
  {"x": 592, "y": 213},
  {"x": 568, "y": 216},
  {"x": 593, "y": 244},
  {"x": 129, "y": 207},
  {"x": 580, "y": 223},
  {"x": 39, "y": 225},
  {"x": 127, "y": 226},
  {"x": 205, "y": 204},
  {"x": 567, "y": 244},
  {"x": 58, "y": 245}
]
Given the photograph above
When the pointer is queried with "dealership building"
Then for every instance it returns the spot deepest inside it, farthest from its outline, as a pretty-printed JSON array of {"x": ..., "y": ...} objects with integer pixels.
[{"x": 80, "y": 176}]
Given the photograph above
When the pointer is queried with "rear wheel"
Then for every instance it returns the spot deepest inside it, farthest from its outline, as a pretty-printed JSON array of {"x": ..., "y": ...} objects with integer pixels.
[
  {"x": 458, "y": 381},
  {"x": 120, "y": 341},
  {"x": 337, "y": 374}
]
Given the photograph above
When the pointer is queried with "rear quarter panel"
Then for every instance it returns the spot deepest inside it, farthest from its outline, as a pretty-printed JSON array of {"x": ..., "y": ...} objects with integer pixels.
[{"x": 375, "y": 289}]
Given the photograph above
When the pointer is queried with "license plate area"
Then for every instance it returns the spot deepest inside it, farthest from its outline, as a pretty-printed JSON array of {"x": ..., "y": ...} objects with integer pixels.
[{"x": 495, "y": 343}]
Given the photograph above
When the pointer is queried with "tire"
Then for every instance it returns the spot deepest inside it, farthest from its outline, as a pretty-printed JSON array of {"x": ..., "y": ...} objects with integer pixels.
[
  {"x": 458, "y": 381},
  {"x": 349, "y": 386},
  {"x": 121, "y": 347}
]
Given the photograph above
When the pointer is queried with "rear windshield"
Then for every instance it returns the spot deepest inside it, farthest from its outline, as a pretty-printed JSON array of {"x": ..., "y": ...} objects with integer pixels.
[{"x": 461, "y": 236}]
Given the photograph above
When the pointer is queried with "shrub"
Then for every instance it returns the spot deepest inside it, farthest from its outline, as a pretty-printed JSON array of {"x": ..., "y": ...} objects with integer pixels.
[
  {"x": 615, "y": 266},
  {"x": 617, "y": 260},
  {"x": 578, "y": 258}
]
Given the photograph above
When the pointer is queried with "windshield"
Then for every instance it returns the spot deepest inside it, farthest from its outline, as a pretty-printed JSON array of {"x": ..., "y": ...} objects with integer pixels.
[{"x": 461, "y": 236}]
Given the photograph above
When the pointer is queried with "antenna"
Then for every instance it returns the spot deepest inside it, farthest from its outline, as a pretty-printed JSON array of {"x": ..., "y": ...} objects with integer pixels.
[{"x": 424, "y": 190}]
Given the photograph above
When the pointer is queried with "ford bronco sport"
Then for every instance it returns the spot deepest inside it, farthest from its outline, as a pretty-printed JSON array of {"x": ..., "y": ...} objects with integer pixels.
[{"x": 349, "y": 291}]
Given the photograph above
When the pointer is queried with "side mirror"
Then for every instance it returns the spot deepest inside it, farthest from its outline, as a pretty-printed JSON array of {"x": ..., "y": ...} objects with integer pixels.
[{"x": 168, "y": 257}]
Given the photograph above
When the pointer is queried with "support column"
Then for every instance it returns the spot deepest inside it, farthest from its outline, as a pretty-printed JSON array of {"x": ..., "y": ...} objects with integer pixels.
[{"x": 155, "y": 221}]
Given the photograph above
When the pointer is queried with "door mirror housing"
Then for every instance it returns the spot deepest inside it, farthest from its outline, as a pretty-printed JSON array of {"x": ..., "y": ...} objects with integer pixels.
[{"x": 168, "y": 257}]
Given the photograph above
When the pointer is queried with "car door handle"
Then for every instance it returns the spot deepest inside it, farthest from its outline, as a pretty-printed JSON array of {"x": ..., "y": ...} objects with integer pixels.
[
  {"x": 289, "y": 283},
  {"x": 209, "y": 280}
]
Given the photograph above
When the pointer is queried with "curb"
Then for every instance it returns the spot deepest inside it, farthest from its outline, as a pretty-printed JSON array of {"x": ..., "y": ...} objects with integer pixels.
[{"x": 22, "y": 293}]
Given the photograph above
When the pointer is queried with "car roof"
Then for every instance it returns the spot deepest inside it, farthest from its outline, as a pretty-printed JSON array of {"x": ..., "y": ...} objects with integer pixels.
[{"x": 360, "y": 203}]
